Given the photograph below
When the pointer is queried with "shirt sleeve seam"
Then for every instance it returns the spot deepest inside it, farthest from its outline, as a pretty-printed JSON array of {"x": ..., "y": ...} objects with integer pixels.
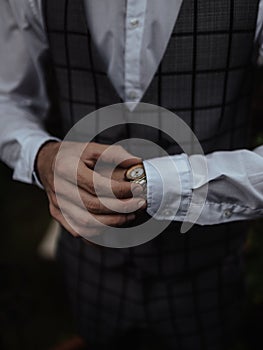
[{"x": 231, "y": 204}]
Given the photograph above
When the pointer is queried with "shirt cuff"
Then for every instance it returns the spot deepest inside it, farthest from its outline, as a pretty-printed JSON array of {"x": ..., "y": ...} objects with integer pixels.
[
  {"x": 169, "y": 187},
  {"x": 24, "y": 170}
]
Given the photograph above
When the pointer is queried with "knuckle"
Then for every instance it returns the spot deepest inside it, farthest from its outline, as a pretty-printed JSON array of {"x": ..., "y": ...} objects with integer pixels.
[
  {"x": 89, "y": 146},
  {"x": 92, "y": 205},
  {"x": 92, "y": 189},
  {"x": 95, "y": 154},
  {"x": 92, "y": 150},
  {"x": 99, "y": 206},
  {"x": 80, "y": 178}
]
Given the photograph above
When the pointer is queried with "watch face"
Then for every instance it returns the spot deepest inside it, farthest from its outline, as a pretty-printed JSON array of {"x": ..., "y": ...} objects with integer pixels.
[{"x": 135, "y": 172}]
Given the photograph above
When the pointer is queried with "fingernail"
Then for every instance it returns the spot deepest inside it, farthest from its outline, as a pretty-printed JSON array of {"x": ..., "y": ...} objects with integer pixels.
[
  {"x": 137, "y": 190},
  {"x": 141, "y": 204},
  {"x": 131, "y": 217}
]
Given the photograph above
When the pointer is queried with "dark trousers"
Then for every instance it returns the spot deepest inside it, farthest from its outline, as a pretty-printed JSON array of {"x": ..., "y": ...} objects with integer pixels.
[{"x": 177, "y": 292}]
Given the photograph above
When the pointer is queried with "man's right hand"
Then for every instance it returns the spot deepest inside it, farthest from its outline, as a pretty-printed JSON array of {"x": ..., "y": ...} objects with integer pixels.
[{"x": 64, "y": 201}]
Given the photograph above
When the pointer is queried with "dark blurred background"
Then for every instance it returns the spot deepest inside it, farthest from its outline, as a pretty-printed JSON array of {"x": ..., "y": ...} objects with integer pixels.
[{"x": 34, "y": 313}]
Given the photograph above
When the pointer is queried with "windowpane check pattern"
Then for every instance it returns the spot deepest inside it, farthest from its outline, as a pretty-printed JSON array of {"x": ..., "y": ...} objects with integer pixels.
[{"x": 183, "y": 289}]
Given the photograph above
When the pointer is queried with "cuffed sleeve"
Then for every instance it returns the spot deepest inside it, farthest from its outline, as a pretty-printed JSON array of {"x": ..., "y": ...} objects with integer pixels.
[
  {"x": 229, "y": 188},
  {"x": 169, "y": 187},
  {"x": 24, "y": 167}
]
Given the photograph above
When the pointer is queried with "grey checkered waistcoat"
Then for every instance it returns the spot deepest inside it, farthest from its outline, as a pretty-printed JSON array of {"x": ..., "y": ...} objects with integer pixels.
[{"x": 185, "y": 289}]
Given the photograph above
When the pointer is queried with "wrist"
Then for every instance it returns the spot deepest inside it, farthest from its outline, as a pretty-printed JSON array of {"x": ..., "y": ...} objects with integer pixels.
[{"x": 44, "y": 158}]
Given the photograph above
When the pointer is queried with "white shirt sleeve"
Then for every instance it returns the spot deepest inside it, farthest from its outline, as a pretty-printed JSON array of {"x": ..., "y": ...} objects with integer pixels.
[
  {"x": 23, "y": 98},
  {"x": 234, "y": 181}
]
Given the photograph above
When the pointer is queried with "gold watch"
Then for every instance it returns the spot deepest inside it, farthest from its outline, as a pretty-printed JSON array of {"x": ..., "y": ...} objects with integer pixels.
[{"x": 137, "y": 175}]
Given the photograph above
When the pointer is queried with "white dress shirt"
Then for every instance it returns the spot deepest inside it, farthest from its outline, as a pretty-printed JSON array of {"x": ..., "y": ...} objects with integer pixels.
[{"x": 132, "y": 58}]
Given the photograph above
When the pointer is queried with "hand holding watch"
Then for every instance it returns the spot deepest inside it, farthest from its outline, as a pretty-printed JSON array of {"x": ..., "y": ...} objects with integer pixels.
[{"x": 136, "y": 174}]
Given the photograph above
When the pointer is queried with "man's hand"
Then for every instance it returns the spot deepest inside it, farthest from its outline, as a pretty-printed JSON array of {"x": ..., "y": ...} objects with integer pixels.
[{"x": 92, "y": 185}]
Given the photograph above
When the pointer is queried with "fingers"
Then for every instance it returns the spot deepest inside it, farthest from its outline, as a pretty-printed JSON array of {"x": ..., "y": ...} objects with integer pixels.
[
  {"x": 93, "y": 182},
  {"x": 81, "y": 218},
  {"x": 74, "y": 168},
  {"x": 101, "y": 186},
  {"x": 57, "y": 215},
  {"x": 117, "y": 174},
  {"x": 61, "y": 219},
  {"x": 114, "y": 154},
  {"x": 95, "y": 205}
]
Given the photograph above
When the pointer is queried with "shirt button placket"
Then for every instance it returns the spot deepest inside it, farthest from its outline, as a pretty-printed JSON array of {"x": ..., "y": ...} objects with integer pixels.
[
  {"x": 134, "y": 23},
  {"x": 132, "y": 95},
  {"x": 135, "y": 18}
]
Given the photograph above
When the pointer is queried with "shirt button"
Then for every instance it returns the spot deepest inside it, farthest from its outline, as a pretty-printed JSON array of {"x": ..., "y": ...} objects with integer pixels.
[
  {"x": 228, "y": 213},
  {"x": 132, "y": 95},
  {"x": 134, "y": 22}
]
